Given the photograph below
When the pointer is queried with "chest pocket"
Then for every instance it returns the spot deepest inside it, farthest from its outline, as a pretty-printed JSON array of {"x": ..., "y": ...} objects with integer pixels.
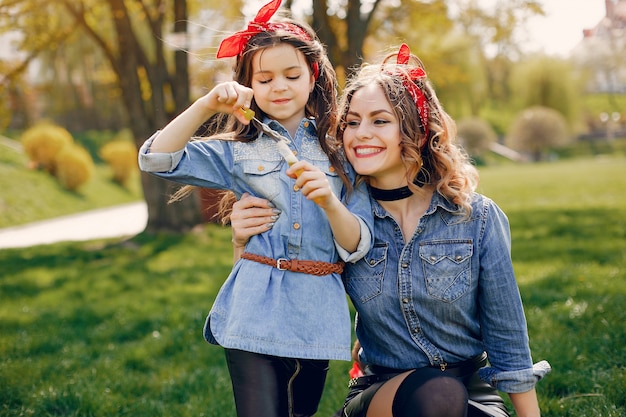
[
  {"x": 364, "y": 279},
  {"x": 263, "y": 176},
  {"x": 447, "y": 268}
]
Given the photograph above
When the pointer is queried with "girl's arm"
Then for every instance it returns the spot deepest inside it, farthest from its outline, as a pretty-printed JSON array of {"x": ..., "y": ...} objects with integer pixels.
[
  {"x": 526, "y": 404},
  {"x": 225, "y": 97},
  {"x": 315, "y": 186}
]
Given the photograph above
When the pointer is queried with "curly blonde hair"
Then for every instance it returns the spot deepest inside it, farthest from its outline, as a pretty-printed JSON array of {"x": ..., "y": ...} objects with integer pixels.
[{"x": 436, "y": 160}]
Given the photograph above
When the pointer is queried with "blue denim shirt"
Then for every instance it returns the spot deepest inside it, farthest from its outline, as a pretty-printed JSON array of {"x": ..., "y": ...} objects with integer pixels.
[
  {"x": 260, "y": 308},
  {"x": 447, "y": 295}
]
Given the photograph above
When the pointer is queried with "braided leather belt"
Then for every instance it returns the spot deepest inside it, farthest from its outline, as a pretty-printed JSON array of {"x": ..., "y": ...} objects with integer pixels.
[{"x": 306, "y": 267}]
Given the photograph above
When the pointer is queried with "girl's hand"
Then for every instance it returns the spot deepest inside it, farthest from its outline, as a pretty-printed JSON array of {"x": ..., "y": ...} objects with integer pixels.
[
  {"x": 251, "y": 216},
  {"x": 229, "y": 97},
  {"x": 313, "y": 184}
]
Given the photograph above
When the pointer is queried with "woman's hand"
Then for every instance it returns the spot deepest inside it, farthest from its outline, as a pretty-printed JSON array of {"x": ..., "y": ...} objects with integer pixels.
[{"x": 251, "y": 216}]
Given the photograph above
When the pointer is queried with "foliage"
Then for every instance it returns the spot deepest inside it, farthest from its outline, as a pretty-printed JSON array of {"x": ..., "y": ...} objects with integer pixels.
[
  {"x": 112, "y": 327},
  {"x": 475, "y": 135},
  {"x": 546, "y": 82},
  {"x": 536, "y": 130},
  {"x": 28, "y": 195},
  {"x": 121, "y": 156},
  {"x": 43, "y": 142},
  {"x": 74, "y": 166}
]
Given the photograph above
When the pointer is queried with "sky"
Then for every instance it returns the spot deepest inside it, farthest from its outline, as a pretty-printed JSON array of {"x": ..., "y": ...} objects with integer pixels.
[{"x": 561, "y": 29}]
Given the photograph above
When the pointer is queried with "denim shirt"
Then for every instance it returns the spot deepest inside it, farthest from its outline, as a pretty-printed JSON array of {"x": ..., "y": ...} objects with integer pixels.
[
  {"x": 260, "y": 308},
  {"x": 445, "y": 296}
]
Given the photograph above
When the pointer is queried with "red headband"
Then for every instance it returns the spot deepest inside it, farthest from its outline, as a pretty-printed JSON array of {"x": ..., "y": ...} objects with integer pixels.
[
  {"x": 235, "y": 44},
  {"x": 414, "y": 74}
]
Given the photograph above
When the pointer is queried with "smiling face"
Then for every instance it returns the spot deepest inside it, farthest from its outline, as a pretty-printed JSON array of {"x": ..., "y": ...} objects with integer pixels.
[
  {"x": 372, "y": 139},
  {"x": 282, "y": 82}
]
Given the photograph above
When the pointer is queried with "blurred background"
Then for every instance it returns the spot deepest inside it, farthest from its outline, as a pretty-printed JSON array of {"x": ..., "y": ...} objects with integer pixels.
[{"x": 522, "y": 78}]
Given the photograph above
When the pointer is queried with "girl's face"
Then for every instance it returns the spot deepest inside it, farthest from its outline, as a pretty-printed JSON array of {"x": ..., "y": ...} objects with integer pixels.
[
  {"x": 282, "y": 82},
  {"x": 372, "y": 138}
]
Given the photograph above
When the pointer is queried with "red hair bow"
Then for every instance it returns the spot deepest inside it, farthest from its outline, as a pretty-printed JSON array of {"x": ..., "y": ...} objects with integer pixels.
[
  {"x": 404, "y": 54},
  {"x": 234, "y": 44}
]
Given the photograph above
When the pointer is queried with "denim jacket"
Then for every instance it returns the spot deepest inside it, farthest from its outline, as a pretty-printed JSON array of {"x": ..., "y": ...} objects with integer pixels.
[
  {"x": 445, "y": 296},
  {"x": 261, "y": 308}
]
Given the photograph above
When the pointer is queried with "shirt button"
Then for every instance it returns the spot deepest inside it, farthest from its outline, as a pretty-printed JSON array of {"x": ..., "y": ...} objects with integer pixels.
[
  {"x": 296, "y": 188},
  {"x": 296, "y": 226},
  {"x": 260, "y": 167},
  {"x": 420, "y": 230},
  {"x": 458, "y": 257},
  {"x": 372, "y": 262},
  {"x": 433, "y": 258},
  {"x": 405, "y": 265},
  {"x": 331, "y": 169},
  {"x": 306, "y": 124},
  {"x": 295, "y": 153},
  {"x": 405, "y": 300}
]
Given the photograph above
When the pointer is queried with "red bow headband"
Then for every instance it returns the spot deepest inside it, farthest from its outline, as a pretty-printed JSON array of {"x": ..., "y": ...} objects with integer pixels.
[
  {"x": 414, "y": 74},
  {"x": 235, "y": 44}
]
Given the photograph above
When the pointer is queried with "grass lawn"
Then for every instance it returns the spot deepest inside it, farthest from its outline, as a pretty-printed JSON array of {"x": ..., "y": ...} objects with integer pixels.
[{"x": 113, "y": 328}]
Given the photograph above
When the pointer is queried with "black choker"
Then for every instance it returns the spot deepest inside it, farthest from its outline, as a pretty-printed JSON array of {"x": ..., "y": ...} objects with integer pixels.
[
  {"x": 390, "y": 195},
  {"x": 397, "y": 193}
]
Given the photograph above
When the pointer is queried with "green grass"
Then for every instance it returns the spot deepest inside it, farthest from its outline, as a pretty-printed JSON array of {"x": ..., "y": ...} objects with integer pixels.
[
  {"x": 28, "y": 195},
  {"x": 113, "y": 328}
]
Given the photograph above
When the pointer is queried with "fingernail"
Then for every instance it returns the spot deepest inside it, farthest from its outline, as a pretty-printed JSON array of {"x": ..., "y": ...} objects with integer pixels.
[
  {"x": 277, "y": 211},
  {"x": 269, "y": 225},
  {"x": 275, "y": 217},
  {"x": 269, "y": 203}
]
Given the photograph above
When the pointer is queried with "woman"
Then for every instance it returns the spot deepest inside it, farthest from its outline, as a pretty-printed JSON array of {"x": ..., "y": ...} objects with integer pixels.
[{"x": 436, "y": 296}]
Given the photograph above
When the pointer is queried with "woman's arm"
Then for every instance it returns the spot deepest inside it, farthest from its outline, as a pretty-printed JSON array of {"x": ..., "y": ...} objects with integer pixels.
[
  {"x": 225, "y": 97},
  {"x": 526, "y": 404}
]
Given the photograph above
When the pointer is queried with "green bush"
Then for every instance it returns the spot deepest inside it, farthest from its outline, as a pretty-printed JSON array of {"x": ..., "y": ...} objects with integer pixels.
[
  {"x": 121, "y": 156},
  {"x": 43, "y": 142},
  {"x": 74, "y": 167},
  {"x": 476, "y": 135}
]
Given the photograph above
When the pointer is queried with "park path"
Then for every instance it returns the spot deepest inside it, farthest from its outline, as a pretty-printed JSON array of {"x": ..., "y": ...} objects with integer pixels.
[{"x": 118, "y": 221}]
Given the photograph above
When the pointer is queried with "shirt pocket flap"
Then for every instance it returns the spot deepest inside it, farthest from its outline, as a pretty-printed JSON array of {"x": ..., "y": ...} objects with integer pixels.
[
  {"x": 260, "y": 167},
  {"x": 457, "y": 251}
]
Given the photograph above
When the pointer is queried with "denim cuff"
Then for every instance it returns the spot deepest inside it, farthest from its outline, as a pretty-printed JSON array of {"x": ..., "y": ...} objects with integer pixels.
[
  {"x": 364, "y": 245},
  {"x": 515, "y": 381},
  {"x": 158, "y": 162}
]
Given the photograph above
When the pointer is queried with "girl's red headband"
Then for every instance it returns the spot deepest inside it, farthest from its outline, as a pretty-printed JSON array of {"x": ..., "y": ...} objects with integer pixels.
[
  {"x": 235, "y": 44},
  {"x": 409, "y": 78}
]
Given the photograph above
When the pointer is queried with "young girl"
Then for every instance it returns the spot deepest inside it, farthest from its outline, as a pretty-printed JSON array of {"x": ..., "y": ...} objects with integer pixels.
[
  {"x": 440, "y": 321},
  {"x": 282, "y": 313}
]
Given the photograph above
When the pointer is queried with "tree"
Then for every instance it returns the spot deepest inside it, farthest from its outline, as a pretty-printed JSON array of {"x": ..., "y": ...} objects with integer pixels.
[
  {"x": 547, "y": 82},
  {"x": 153, "y": 85}
]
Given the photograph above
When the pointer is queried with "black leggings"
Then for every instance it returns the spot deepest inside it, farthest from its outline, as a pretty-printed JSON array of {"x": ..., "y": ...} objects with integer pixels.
[{"x": 272, "y": 386}]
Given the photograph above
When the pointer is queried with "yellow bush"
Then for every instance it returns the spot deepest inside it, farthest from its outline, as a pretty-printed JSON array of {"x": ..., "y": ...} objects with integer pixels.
[
  {"x": 121, "y": 155},
  {"x": 43, "y": 142},
  {"x": 74, "y": 167}
]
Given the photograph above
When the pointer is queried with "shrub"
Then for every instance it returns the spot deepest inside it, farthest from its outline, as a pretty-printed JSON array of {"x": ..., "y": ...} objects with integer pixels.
[
  {"x": 121, "y": 156},
  {"x": 537, "y": 130},
  {"x": 43, "y": 142},
  {"x": 74, "y": 167},
  {"x": 476, "y": 135}
]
